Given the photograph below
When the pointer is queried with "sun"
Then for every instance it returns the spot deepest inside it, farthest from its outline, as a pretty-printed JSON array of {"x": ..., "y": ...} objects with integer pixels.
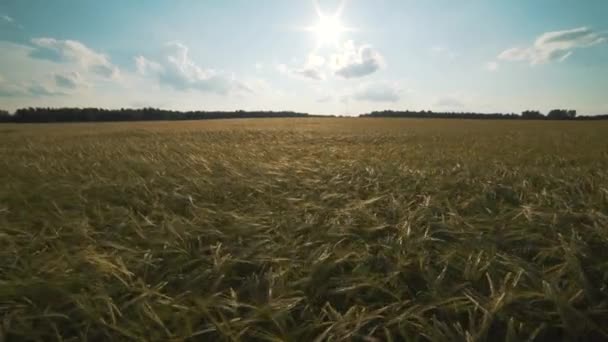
[{"x": 328, "y": 30}]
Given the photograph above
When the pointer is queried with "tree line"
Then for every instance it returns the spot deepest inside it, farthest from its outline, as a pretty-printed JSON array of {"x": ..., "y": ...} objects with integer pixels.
[
  {"x": 42, "y": 115},
  {"x": 555, "y": 114},
  {"x": 5, "y": 116},
  {"x": 424, "y": 114}
]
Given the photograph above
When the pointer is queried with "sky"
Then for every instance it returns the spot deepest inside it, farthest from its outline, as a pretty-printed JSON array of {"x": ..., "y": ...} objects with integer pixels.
[{"x": 323, "y": 57}]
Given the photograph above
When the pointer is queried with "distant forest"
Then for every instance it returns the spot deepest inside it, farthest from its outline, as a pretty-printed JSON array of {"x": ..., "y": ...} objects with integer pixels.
[
  {"x": 555, "y": 114},
  {"x": 35, "y": 115},
  {"x": 41, "y": 115}
]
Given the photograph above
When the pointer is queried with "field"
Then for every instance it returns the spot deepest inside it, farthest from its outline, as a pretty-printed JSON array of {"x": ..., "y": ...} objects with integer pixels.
[{"x": 303, "y": 230}]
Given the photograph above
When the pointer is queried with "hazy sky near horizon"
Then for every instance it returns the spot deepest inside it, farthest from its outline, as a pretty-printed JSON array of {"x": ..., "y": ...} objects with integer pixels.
[{"x": 325, "y": 56}]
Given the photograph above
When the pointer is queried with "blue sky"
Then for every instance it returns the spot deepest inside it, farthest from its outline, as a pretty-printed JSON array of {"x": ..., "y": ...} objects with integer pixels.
[{"x": 468, "y": 55}]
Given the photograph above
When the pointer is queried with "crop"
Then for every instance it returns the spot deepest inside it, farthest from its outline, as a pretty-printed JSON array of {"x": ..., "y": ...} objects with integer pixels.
[{"x": 304, "y": 229}]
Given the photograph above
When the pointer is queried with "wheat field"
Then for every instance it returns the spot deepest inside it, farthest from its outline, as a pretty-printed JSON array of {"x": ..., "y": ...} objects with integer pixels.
[{"x": 303, "y": 230}]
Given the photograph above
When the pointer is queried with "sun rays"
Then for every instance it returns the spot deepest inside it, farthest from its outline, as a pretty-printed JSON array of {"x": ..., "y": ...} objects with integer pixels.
[{"x": 329, "y": 28}]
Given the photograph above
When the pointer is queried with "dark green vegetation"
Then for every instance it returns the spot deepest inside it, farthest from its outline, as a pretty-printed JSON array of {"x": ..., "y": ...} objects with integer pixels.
[
  {"x": 49, "y": 115},
  {"x": 46, "y": 115},
  {"x": 554, "y": 114},
  {"x": 304, "y": 229}
]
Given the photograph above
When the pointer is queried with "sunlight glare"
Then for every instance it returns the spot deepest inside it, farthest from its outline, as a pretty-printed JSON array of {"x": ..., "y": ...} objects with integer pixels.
[
  {"x": 328, "y": 30},
  {"x": 329, "y": 27}
]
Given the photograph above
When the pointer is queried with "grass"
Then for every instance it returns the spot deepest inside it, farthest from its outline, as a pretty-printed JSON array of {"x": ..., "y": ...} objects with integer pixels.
[{"x": 304, "y": 230}]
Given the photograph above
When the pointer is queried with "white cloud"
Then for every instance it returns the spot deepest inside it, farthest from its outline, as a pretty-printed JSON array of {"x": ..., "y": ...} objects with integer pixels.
[
  {"x": 177, "y": 70},
  {"x": 8, "y": 21},
  {"x": 449, "y": 102},
  {"x": 69, "y": 80},
  {"x": 377, "y": 92},
  {"x": 30, "y": 81},
  {"x": 346, "y": 61},
  {"x": 30, "y": 89},
  {"x": 353, "y": 61},
  {"x": 145, "y": 66},
  {"x": 9, "y": 89},
  {"x": 41, "y": 90},
  {"x": 74, "y": 52},
  {"x": 516, "y": 54},
  {"x": 554, "y": 46},
  {"x": 312, "y": 69},
  {"x": 438, "y": 49},
  {"x": 442, "y": 51},
  {"x": 491, "y": 66},
  {"x": 313, "y": 74},
  {"x": 36, "y": 75},
  {"x": 325, "y": 99}
]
